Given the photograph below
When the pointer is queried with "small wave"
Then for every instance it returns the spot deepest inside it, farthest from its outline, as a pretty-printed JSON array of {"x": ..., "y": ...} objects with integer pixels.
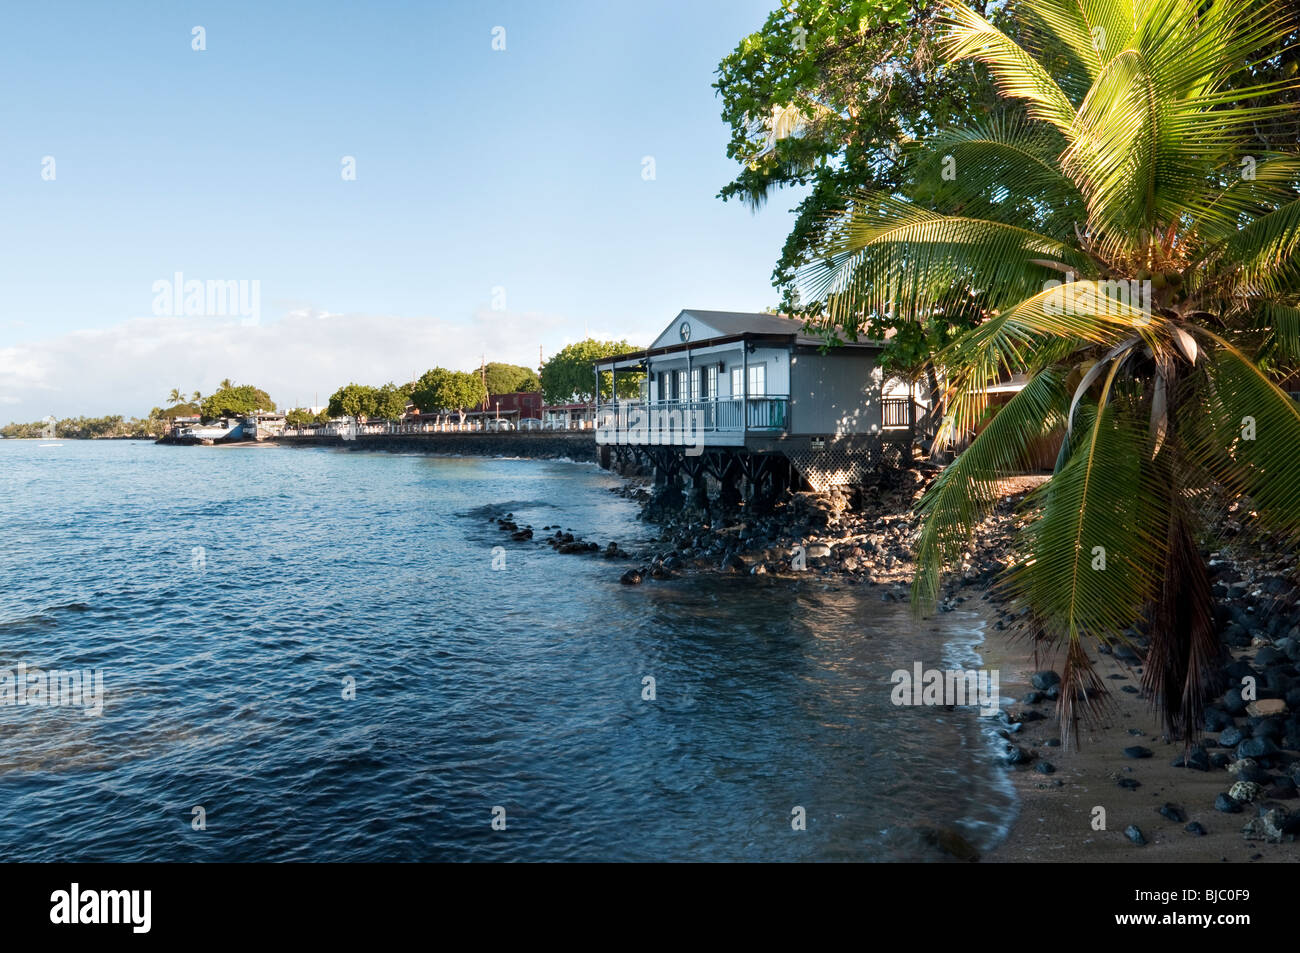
[{"x": 44, "y": 619}]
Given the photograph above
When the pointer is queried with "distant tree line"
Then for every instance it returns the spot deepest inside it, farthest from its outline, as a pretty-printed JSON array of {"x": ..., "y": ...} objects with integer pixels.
[
  {"x": 90, "y": 428},
  {"x": 567, "y": 377}
]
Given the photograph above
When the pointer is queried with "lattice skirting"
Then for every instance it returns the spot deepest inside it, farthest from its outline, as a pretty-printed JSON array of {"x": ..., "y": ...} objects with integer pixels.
[{"x": 845, "y": 462}]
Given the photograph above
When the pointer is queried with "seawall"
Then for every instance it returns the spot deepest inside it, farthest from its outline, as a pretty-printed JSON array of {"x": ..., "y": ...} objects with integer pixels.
[{"x": 579, "y": 447}]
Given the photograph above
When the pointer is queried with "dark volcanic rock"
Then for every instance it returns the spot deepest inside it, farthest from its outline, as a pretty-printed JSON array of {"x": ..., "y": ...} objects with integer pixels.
[
  {"x": 1253, "y": 772},
  {"x": 1137, "y": 751},
  {"x": 1274, "y": 824},
  {"x": 632, "y": 577},
  {"x": 1257, "y": 748},
  {"x": 949, "y": 842},
  {"x": 1045, "y": 680},
  {"x": 1268, "y": 656},
  {"x": 1266, "y": 728},
  {"x": 1216, "y": 719},
  {"x": 1227, "y": 804},
  {"x": 1017, "y": 755},
  {"x": 1174, "y": 813},
  {"x": 1126, "y": 653},
  {"x": 1195, "y": 829},
  {"x": 1134, "y": 833}
]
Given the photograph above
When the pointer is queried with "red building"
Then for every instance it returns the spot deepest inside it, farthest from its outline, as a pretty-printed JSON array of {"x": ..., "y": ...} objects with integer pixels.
[{"x": 527, "y": 403}]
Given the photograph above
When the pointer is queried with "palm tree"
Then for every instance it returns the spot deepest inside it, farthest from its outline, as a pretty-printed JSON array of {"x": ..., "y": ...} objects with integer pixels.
[
  {"x": 226, "y": 384},
  {"x": 175, "y": 397},
  {"x": 196, "y": 397},
  {"x": 1126, "y": 248}
]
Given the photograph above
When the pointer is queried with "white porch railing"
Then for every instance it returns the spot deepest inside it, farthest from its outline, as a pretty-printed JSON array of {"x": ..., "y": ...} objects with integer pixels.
[{"x": 714, "y": 415}]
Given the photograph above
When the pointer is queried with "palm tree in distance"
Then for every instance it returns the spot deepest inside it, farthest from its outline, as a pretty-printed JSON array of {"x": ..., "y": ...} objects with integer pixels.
[
  {"x": 175, "y": 397},
  {"x": 1128, "y": 250}
]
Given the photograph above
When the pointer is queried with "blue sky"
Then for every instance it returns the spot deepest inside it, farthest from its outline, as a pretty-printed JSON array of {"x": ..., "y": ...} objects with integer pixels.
[{"x": 476, "y": 169}]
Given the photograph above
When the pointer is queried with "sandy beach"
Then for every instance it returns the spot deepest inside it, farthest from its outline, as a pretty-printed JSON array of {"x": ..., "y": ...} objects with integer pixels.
[{"x": 1055, "y": 823}]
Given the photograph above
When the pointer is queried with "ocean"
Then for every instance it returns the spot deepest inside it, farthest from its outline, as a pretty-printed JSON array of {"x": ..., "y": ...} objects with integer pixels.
[{"x": 314, "y": 654}]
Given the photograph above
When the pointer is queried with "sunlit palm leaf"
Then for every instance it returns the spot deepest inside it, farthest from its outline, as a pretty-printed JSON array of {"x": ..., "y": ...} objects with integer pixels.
[
  {"x": 1247, "y": 434},
  {"x": 967, "y": 489},
  {"x": 1097, "y": 547},
  {"x": 889, "y": 256}
]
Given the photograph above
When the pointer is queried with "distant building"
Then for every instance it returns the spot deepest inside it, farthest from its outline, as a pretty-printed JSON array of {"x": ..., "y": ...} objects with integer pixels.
[
  {"x": 263, "y": 426},
  {"x": 522, "y": 404},
  {"x": 569, "y": 416}
]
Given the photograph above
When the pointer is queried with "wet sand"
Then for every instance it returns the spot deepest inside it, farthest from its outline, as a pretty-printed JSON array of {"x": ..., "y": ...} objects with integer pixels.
[{"x": 1055, "y": 823}]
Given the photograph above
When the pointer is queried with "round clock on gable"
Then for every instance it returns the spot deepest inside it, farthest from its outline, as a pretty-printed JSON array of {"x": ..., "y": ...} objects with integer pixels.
[{"x": 686, "y": 330}]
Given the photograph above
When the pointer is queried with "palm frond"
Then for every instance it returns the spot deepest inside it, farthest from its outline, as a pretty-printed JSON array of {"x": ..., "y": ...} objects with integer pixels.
[
  {"x": 1265, "y": 253},
  {"x": 890, "y": 256},
  {"x": 1097, "y": 551},
  {"x": 966, "y": 491},
  {"x": 1245, "y": 432},
  {"x": 1017, "y": 74},
  {"x": 1041, "y": 329},
  {"x": 1007, "y": 170}
]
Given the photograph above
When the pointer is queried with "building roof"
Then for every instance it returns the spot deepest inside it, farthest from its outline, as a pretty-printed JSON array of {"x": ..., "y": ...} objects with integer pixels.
[
  {"x": 724, "y": 327},
  {"x": 731, "y": 323}
]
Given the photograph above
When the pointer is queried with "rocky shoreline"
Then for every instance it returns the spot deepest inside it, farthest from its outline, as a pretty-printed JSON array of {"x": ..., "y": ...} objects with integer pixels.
[
  {"x": 1247, "y": 758},
  {"x": 865, "y": 536},
  {"x": 535, "y": 445}
]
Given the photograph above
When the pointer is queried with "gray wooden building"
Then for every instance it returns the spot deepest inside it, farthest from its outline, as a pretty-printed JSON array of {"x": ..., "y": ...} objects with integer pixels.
[{"x": 725, "y": 392}]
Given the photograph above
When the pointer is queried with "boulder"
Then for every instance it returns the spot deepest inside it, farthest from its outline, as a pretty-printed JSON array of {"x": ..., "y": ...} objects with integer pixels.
[
  {"x": 1266, "y": 707},
  {"x": 1245, "y": 791},
  {"x": 1045, "y": 680}
]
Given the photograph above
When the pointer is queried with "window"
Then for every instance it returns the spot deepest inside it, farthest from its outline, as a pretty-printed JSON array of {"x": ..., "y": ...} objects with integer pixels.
[
  {"x": 737, "y": 382},
  {"x": 757, "y": 380},
  {"x": 711, "y": 380},
  {"x": 697, "y": 377},
  {"x": 680, "y": 391}
]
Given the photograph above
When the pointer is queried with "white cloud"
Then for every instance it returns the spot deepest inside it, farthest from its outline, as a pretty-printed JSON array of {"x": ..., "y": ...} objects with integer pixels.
[{"x": 130, "y": 367}]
